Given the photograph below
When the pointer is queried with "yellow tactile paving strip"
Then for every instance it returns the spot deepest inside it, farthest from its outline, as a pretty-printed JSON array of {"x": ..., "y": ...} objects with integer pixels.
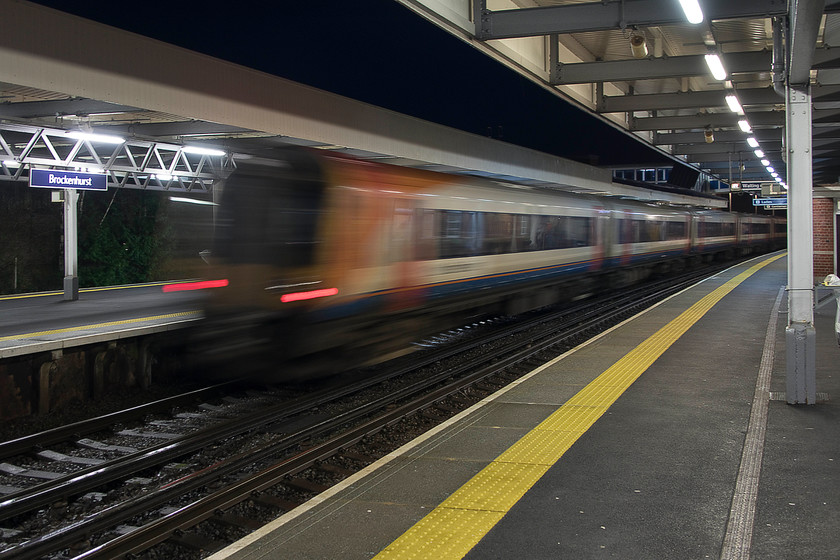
[
  {"x": 453, "y": 528},
  {"x": 39, "y": 334},
  {"x": 88, "y": 290}
]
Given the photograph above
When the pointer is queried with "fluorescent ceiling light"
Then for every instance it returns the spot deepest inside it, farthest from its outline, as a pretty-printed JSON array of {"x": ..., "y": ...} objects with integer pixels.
[
  {"x": 769, "y": 169},
  {"x": 10, "y": 163},
  {"x": 774, "y": 174},
  {"x": 759, "y": 153},
  {"x": 734, "y": 106},
  {"x": 192, "y": 201},
  {"x": 692, "y": 10},
  {"x": 752, "y": 142},
  {"x": 104, "y": 138},
  {"x": 715, "y": 66},
  {"x": 765, "y": 162},
  {"x": 745, "y": 126},
  {"x": 203, "y": 151}
]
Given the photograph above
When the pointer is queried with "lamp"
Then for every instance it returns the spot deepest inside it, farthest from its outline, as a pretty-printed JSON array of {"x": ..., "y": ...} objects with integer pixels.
[
  {"x": 734, "y": 105},
  {"x": 716, "y": 66},
  {"x": 638, "y": 46},
  {"x": 752, "y": 142},
  {"x": 200, "y": 150},
  {"x": 709, "y": 135},
  {"x": 744, "y": 125},
  {"x": 692, "y": 11},
  {"x": 104, "y": 138}
]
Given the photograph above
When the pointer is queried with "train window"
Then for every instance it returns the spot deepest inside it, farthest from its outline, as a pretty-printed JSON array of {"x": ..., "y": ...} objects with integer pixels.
[
  {"x": 455, "y": 233},
  {"x": 563, "y": 232},
  {"x": 716, "y": 229},
  {"x": 675, "y": 230},
  {"x": 459, "y": 236},
  {"x": 760, "y": 228},
  {"x": 641, "y": 231}
]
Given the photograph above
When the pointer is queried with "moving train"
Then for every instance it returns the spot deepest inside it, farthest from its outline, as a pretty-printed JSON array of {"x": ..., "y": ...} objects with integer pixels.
[{"x": 326, "y": 262}]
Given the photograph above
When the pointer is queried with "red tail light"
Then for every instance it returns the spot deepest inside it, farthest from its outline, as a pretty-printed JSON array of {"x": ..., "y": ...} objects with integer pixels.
[
  {"x": 187, "y": 286},
  {"x": 298, "y": 296}
]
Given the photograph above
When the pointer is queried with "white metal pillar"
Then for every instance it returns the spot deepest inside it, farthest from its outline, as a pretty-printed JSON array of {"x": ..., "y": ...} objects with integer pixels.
[
  {"x": 800, "y": 332},
  {"x": 71, "y": 254}
]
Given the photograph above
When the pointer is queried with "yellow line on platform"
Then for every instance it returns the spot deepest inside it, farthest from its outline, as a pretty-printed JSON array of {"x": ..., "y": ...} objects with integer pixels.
[
  {"x": 90, "y": 290},
  {"x": 453, "y": 528},
  {"x": 100, "y": 325}
]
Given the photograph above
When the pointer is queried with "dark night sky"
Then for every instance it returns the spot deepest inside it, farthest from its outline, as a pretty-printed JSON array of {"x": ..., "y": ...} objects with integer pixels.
[{"x": 379, "y": 52}]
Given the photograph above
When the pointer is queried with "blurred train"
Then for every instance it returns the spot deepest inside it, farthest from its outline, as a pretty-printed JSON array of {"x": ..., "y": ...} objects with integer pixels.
[{"x": 327, "y": 262}]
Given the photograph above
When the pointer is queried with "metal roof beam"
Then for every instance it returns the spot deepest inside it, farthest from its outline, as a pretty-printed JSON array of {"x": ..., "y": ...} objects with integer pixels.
[
  {"x": 613, "y": 14},
  {"x": 62, "y": 107},
  {"x": 678, "y": 138},
  {"x": 725, "y": 148},
  {"x": 652, "y": 68},
  {"x": 686, "y": 100},
  {"x": 763, "y": 118}
]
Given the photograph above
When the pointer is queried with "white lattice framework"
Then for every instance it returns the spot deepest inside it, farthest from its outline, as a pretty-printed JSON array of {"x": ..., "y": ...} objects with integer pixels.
[{"x": 133, "y": 164}]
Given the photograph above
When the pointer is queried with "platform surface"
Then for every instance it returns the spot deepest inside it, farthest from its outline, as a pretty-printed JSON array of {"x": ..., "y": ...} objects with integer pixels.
[
  {"x": 40, "y": 322},
  {"x": 659, "y": 473}
]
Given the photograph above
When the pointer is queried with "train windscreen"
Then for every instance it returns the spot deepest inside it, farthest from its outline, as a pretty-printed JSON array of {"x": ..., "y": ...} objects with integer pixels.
[{"x": 270, "y": 213}]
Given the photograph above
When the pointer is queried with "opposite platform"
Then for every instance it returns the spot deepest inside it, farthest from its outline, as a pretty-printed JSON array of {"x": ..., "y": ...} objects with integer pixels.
[{"x": 630, "y": 446}]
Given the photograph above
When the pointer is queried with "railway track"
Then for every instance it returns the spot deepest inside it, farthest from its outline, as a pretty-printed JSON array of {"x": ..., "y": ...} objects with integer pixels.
[{"x": 209, "y": 475}]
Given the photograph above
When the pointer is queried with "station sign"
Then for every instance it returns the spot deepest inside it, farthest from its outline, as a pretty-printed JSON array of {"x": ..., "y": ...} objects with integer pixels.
[
  {"x": 750, "y": 186},
  {"x": 770, "y": 201},
  {"x": 57, "y": 179}
]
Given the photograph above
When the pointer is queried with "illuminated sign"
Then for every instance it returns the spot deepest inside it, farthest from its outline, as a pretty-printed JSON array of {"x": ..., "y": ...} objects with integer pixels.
[{"x": 55, "y": 179}]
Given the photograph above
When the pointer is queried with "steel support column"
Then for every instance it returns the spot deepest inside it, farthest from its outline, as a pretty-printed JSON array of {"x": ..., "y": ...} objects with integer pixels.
[
  {"x": 800, "y": 332},
  {"x": 71, "y": 255}
]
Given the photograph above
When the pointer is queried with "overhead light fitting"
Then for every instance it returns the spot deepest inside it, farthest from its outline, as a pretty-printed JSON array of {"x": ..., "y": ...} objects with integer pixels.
[
  {"x": 692, "y": 10},
  {"x": 752, "y": 142},
  {"x": 709, "y": 135},
  {"x": 203, "y": 151},
  {"x": 192, "y": 201},
  {"x": 744, "y": 125},
  {"x": 638, "y": 46},
  {"x": 759, "y": 153},
  {"x": 769, "y": 169},
  {"x": 91, "y": 137},
  {"x": 765, "y": 162},
  {"x": 715, "y": 66},
  {"x": 734, "y": 105}
]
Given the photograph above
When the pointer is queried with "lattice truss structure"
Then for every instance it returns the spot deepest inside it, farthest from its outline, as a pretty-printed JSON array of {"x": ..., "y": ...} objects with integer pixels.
[{"x": 132, "y": 164}]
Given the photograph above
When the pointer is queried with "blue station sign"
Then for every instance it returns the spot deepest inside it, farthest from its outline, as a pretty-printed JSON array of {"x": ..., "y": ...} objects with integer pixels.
[
  {"x": 55, "y": 179},
  {"x": 769, "y": 201}
]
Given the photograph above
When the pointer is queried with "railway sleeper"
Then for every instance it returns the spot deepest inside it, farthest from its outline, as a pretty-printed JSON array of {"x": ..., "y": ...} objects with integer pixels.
[
  {"x": 271, "y": 501},
  {"x": 237, "y": 521},
  {"x": 305, "y": 485},
  {"x": 192, "y": 541}
]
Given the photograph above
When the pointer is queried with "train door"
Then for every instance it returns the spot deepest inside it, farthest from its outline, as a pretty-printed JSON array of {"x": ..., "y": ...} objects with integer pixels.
[
  {"x": 701, "y": 233},
  {"x": 403, "y": 255},
  {"x": 626, "y": 237},
  {"x": 597, "y": 237}
]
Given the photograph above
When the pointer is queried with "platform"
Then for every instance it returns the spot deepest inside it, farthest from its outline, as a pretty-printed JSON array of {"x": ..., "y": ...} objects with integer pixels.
[
  {"x": 43, "y": 322},
  {"x": 658, "y": 439}
]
